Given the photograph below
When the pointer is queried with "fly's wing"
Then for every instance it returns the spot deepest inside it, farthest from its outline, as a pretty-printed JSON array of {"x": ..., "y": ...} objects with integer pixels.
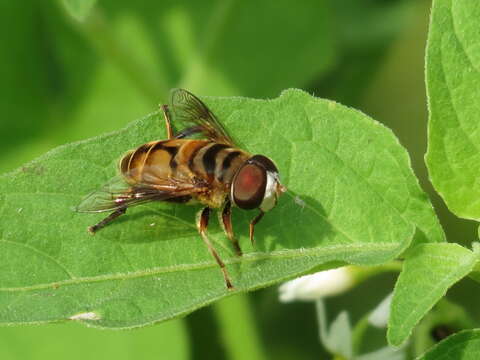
[
  {"x": 118, "y": 194},
  {"x": 193, "y": 113},
  {"x": 114, "y": 195}
]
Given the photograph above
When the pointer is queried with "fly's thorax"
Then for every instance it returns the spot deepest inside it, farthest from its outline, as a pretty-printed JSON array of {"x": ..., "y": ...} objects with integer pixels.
[{"x": 217, "y": 163}]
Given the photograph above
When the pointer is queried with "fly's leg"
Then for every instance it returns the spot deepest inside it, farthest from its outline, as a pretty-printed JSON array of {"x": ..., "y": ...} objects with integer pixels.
[
  {"x": 168, "y": 122},
  {"x": 227, "y": 226},
  {"x": 202, "y": 225},
  {"x": 93, "y": 229},
  {"x": 254, "y": 221},
  {"x": 189, "y": 132},
  {"x": 168, "y": 125}
]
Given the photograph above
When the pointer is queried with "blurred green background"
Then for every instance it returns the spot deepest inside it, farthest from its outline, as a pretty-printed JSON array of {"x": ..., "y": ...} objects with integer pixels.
[{"x": 64, "y": 80}]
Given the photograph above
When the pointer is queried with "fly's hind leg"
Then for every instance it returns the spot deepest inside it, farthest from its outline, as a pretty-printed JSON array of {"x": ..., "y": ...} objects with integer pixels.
[
  {"x": 168, "y": 121},
  {"x": 202, "y": 225},
  {"x": 227, "y": 226},
  {"x": 93, "y": 229}
]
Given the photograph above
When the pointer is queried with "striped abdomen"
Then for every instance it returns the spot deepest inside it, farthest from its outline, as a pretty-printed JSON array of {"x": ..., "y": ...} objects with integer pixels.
[{"x": 183, "y": 160}]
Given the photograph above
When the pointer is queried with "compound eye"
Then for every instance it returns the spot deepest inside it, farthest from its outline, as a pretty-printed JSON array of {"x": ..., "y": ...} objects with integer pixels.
[{"x": 249, "y": 186}]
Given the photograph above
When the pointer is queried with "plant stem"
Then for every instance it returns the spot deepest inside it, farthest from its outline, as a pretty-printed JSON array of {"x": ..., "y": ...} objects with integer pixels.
[
  {"x": 363, "y": 273},
  {"x": 237, "y": 328}
]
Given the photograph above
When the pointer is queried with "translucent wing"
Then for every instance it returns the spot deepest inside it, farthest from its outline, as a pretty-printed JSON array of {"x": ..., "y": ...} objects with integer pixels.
[
  {"x": 114, "y": 195},
  {"x": 117, "y": 194},
  {"x": 193, "y": 113}
]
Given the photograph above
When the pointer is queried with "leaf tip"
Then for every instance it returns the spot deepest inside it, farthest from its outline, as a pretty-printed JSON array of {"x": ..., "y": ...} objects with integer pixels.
[
  {"x": 394, "y": 338},
  {"x": 294, "y": 92}
]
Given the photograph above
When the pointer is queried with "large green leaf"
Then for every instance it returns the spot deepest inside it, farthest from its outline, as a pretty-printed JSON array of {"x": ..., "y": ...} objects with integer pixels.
[
  {"x": 429, "y": 270},
  {"x": 462, "y": 346},
  {"x": 352, "y": 197},
  {"x": 453, "y": 75}
]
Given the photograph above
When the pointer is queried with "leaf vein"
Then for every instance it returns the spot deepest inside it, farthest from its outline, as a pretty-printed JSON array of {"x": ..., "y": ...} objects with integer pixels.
[
  {"x": 252, "y": 257},
  {"x": 372, "y": 189},
  {"x": 44, "y": 254}
]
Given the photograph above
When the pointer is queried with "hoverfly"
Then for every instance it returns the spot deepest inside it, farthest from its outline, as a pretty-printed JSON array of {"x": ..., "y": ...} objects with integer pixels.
[{"x": 212, "y": 171}]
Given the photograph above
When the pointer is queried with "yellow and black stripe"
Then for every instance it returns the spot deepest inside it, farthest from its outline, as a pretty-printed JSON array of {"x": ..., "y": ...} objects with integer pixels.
[{"x": 182, "y": 160}]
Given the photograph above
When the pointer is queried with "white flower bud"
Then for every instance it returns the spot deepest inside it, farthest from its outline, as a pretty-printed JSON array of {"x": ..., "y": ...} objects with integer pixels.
[{"x": 318, "y": 285}]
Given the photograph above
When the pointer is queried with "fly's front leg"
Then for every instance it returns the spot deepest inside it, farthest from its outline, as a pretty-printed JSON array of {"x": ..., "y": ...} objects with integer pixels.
[
  {"x": 227, "y": 226},
  {"x": 254, "y": 221},
  {"x": 168, "y": 122},
  {"x": 202, "y": 225},
  {"x": 93, "y": 229}
]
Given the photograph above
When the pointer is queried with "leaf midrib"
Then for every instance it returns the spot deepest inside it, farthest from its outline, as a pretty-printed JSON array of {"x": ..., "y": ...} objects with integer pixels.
[{"x": 252, "y": 257}]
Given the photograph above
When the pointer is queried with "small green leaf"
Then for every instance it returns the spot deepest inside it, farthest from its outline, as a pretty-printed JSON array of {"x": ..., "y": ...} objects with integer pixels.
[
  {"x": 429, "y": 270},
  {"x": 453, "y": 75},
  {"x": 79, "y": 9},
  {"x": 464, "y": 345},
  {"x": 352, "y": 198}
]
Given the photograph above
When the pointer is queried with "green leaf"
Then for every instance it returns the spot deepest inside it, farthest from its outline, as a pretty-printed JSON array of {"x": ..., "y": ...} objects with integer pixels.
[
  {"x": 76, "y": 342},
  {"x": 453, "y": 75},
  {"x": 464, "y": 345},
  {"x": 352, "y": 198},
  {"x": 429, "y": 270},
  {"x": 79, "y": 9}
]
